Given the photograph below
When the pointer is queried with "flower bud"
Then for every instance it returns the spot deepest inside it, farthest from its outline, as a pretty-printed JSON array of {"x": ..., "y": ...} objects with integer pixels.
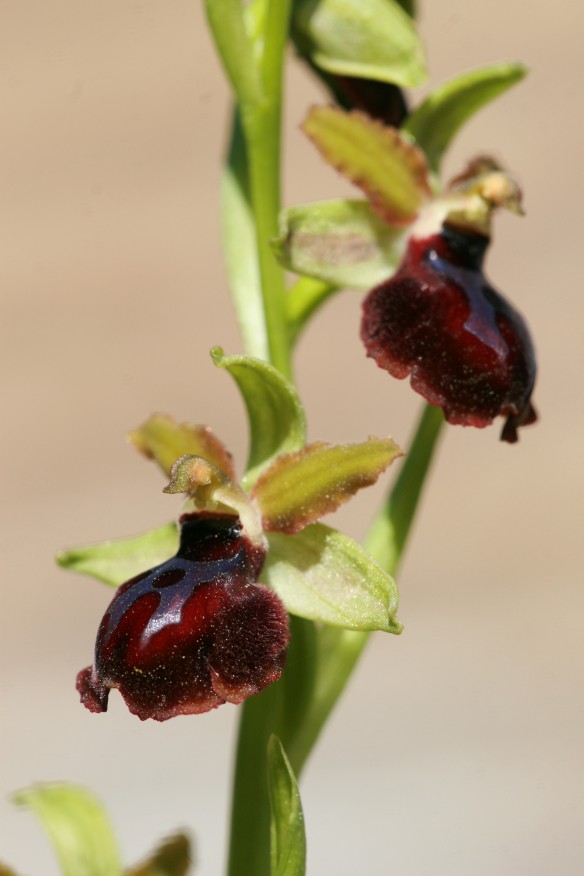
[
  {"x": 439, "y": 320},
  {"x": 192, "y": 633}
]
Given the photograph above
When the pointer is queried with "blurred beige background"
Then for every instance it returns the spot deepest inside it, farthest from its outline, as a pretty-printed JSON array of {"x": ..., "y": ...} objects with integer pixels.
[{"x": 458, "y": 748}]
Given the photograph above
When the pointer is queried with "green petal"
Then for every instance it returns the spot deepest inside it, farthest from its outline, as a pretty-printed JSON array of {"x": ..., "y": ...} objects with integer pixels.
[
  {"x": 114, "y": 562},
  {"x": 299, "y": 488},
  {"x": 341, "y": 242},
  {"x": 374, "y": 39},
  {"x": 436, "y": 121},
  {"x": 275, "y": 414},
  {"x": 163, "y": 440},
  {"x": 391, "y": 171},
  {"x": 172, "y": 858},
  {"x": 78, "y": 828},
  {"x": 323, "y": 575},
  {"x": 288, "y": 841}
]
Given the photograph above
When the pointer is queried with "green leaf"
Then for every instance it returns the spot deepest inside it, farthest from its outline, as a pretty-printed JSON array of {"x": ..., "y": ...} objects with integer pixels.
[
  {"x": 226, "y": 20},
  {"x": 288, "y": 841},
  {"x": 114, "y": 562},
  {"x": 275, "y": 414},
  {"x": 341, "y": 242},
  {"x": 299, "y": 488},
  {"x": 385, "y": 165},
  {"x": 172, "y": 858},
  {"x": 77, "y": 826},
  {"x": 323, "y": 575},
  {"x": 163, "y": 440},
  {"x": 436, "y": 121},
  {"x": 374, "y": 39}
]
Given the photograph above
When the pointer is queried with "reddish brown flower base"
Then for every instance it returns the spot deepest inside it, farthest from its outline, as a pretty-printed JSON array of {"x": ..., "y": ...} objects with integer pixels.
[
  {"x": 194, "y": 632},
  {"x": 440, "y": 321},
  {"x": 380, "y": 100}
]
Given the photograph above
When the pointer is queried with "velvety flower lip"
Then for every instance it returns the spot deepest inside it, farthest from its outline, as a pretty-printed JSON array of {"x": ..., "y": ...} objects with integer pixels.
[
  {"x": 192, "y": 633},
  {"x": 440, "y": 320}
]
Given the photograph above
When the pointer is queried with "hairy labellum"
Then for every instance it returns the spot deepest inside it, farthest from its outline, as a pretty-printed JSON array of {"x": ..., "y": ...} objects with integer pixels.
[
  {"x": 439, "y": 320},
  {"x": 192, "y": 633}
]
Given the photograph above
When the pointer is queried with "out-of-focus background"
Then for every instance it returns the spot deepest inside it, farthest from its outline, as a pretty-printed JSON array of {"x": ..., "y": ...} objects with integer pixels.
[{"x": 458, "y": 747}]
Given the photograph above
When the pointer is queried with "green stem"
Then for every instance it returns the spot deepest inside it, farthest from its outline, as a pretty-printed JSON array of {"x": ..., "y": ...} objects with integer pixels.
[
  {"x": 320, "y": 663},
  {"x": 261, "y": 125},
  {"x": 279, "y": 709},
  {"x": 339, "y": 650},
  {"x": 389, "y": 531}
]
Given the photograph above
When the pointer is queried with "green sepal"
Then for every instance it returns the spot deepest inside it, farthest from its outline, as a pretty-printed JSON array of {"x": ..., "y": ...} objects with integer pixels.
[
  {"x": 275, "y": 414},
  {"x": 6, "y": 871},
  {"x": 299, "y": 488},
  {"x": 77, "y": 826},
  {"x": 164, "y": 441},
  {"x": 387, "y": 166},
  {"x": 323, "y": 575},
  {"x": 114, "y": 562},
  {"x": 287, "y": 836},
  {"x": 343, "y": 242},
  {"x": 173, "y": 857},
  {"x": 373, "y": 39},
  {"x": 439, "y": 117}
]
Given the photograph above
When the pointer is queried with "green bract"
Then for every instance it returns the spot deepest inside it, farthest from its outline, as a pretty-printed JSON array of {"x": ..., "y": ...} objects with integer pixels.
[
  {"x": 436, "y": 121},
  {"x": 77, "y": 826},
  {"x": 288, "y": 841},
  {"x": 374, "y": 39},
  {"x": 276, "y": 417},
  {"x": 83, "y": 838}
]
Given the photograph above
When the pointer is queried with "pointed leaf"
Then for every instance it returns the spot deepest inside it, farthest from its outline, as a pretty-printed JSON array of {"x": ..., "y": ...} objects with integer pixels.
[
  {"x": 163, "y": 440},
  {"x": 374, "y": 39},
  {"x": 172, "y": 858},
  {"x": 275, "y": 414},
  {"x": 391, "y": 171},
  {"x": 342, "y": 242},
  {"x": 114, "y": 562},
  {"x": 436, "y": 121},
  {"x": 288, "y": 840},
  {"x": 298, "y": 488},
  {"x": 77, "y": 826},
  {"x": 323, "y": 575}
]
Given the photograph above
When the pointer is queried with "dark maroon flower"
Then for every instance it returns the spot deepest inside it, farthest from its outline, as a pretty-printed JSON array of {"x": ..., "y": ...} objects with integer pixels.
[
  {"x": 380, "y": 100},
  {"x": 439, "y": 320},
  {"x": 194, "y": 632}
]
